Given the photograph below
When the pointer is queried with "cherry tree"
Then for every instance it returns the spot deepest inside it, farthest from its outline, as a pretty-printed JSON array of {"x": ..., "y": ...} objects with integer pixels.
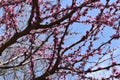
[{"x": 59, "y": 39}]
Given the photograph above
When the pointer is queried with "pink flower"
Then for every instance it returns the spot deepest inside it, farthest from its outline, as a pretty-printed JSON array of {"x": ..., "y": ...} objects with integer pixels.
[
  {"x": 115, "y": 36},
  {"x": 99, "y": 68},
  {"x": 114, "y": 63}
]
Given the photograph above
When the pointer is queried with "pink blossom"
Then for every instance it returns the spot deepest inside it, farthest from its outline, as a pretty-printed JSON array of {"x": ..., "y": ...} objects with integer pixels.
[
  {"x": 114, "y": 63},
  {"x": 115, "y": 36}
]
